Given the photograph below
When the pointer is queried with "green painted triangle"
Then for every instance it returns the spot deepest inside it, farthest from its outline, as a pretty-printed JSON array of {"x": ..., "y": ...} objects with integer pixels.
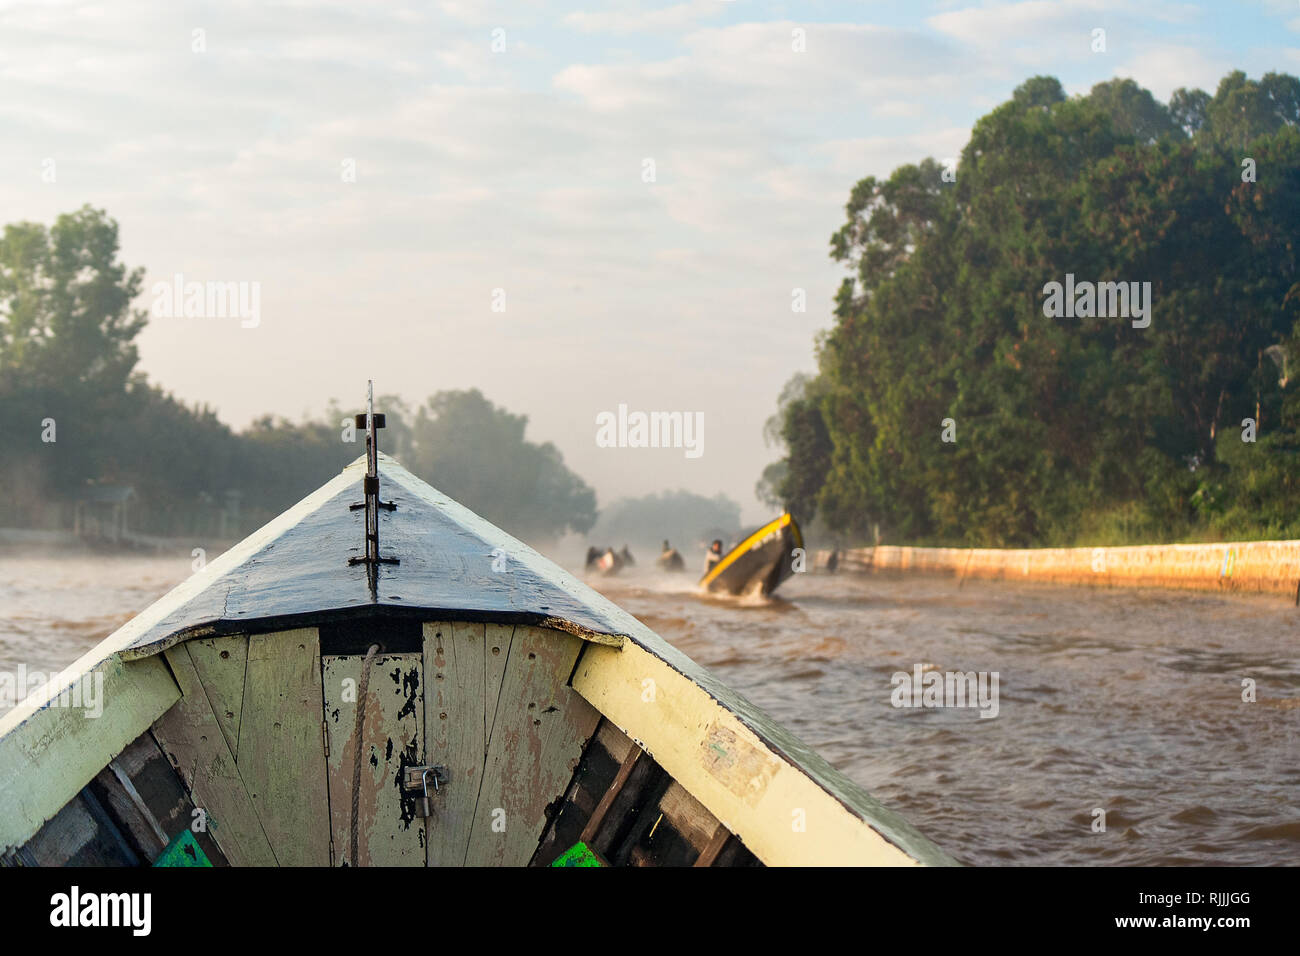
[
  {"x": 577, "y": 855},
  {"x": 183, "y": 851}
]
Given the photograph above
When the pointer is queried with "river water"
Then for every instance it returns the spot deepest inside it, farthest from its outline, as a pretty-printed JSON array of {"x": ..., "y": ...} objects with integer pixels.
[{"x": 1126, "y": 701}]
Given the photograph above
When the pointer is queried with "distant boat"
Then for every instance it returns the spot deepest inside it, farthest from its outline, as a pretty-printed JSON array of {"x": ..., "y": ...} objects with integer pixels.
[
  {"x": 608, "y": 561},
  {"x": 759, "y": 563},
  {"x": 670, "y": 559},
  {"x": 379, "y": 677}
]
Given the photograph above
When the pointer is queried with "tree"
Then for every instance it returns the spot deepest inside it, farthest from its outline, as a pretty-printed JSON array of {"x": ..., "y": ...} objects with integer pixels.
[
  {"x": 1244, "y": 109},
  {"x": 1038, "y": 92},
  {"x": 794, "y": 482},
  {"x": 65, "y": 305},
  {"x": 1052, "y": 426},
  {"x": 1135, "y": 112},
  {"x": 1188, "y": 109},
  {"x": 476, "y": 453},
  {"x": 66, "y": 355}
]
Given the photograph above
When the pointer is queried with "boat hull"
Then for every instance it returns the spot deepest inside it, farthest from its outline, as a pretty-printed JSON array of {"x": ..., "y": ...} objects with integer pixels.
[
  {"x": 759, "y": 563},
  {"x": 672, "y": 561},
  {"x": 271, "y": 712}
]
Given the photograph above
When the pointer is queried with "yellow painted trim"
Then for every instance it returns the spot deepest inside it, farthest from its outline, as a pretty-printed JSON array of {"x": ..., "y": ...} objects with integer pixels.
[
  {"x": 754, "y": 792},
  {"x": 776, "y": 524}
]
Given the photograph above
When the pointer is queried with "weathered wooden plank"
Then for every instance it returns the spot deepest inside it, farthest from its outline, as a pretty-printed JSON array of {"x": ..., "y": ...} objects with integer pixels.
[
  {"x": 594, "y": 776},
  {"x": 81, "y": 834},
  {"x": 116, "y": 791},
  {"x": 688, "y": 816},
  {"x": 454, "y": 709},
  {"x": 221, "y": 662},
  {"x": 665, "y": 827},
  {"x": 62, "y": 837},
  {"x": 391, "y": 830},
  {"x": 281, "y": 745},
  {"x": 49, "y": 751},
  {"x": 711, "y": 850},
  {"x": 636, "y": 798},
  {"x": 592, "y": 827},
  {"x": 496, "y": 651},
  {"x": 537, "y": 739},
  {"x": 617, "y": 744},
  {"x": 161, "y": 796},
  {"x": 630, "y": 843},
  {"x": 191, "y": 739},
  {"x": 734, "y": 853}
]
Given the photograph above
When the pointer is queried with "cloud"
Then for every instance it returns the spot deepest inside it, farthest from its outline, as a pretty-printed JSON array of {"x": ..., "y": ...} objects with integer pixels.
[
  {"x": 755, "y": 69},
  {"x": 881, "y": 155},
  {"x": 635, "y": 18},
  {"x": 1163, "y": 68},
  {"x": 1050, "y": 33}
]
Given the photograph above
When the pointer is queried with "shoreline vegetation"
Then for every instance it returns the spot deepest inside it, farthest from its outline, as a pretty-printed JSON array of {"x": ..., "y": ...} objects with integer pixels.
[
  {"x": 93, "y": 448},
  {"x": 956, "y": 402}
]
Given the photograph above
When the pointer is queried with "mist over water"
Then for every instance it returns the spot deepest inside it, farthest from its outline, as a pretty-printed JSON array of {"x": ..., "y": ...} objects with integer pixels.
[
  {"x": 57, "y": 605},
  {"x": 1125, "y": 700}
]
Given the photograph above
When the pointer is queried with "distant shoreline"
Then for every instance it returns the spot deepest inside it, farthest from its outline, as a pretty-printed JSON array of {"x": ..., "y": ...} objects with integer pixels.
[{"x": 17, "y": 539}]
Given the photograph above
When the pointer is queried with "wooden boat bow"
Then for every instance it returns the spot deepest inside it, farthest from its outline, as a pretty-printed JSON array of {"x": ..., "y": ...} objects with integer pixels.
[{"x": 532, "y": 695}]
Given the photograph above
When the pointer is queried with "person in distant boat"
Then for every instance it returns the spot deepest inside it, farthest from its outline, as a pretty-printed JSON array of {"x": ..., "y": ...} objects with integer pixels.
[
  {"x": 713, "y": 556},
  {"x": 609, "y": 562},
  {"x": 670, "y": 559},
  {"x": 593, "y": 557},
  {"x": 626, "y": 557}
]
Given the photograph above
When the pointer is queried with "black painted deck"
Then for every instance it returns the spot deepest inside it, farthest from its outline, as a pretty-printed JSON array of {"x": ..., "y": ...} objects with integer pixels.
[{"x": 452, "y": 565}]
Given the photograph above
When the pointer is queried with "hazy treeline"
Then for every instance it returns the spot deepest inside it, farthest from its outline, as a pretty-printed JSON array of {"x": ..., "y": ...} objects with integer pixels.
[
  {"x": 949, "y": 408},
  {"x": 688, "y": 521},
  {"x": 77, "y": 413}
]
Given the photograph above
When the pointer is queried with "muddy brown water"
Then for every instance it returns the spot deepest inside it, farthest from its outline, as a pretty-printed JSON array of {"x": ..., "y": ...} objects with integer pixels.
[{"x": 1128, "y": 701}]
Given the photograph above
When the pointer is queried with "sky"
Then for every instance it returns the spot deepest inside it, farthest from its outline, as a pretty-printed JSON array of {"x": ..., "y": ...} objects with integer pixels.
[{"x": 568, "y": 206}]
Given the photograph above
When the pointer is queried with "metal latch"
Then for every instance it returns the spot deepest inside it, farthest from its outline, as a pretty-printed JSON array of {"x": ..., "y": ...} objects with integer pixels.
[{"x": 417, "y": 778}]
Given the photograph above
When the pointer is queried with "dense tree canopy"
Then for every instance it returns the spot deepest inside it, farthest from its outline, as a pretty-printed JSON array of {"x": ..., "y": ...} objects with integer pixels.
[
  {"x": 476, "y": 453},
  {"x": 1066, "y": 429}
]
